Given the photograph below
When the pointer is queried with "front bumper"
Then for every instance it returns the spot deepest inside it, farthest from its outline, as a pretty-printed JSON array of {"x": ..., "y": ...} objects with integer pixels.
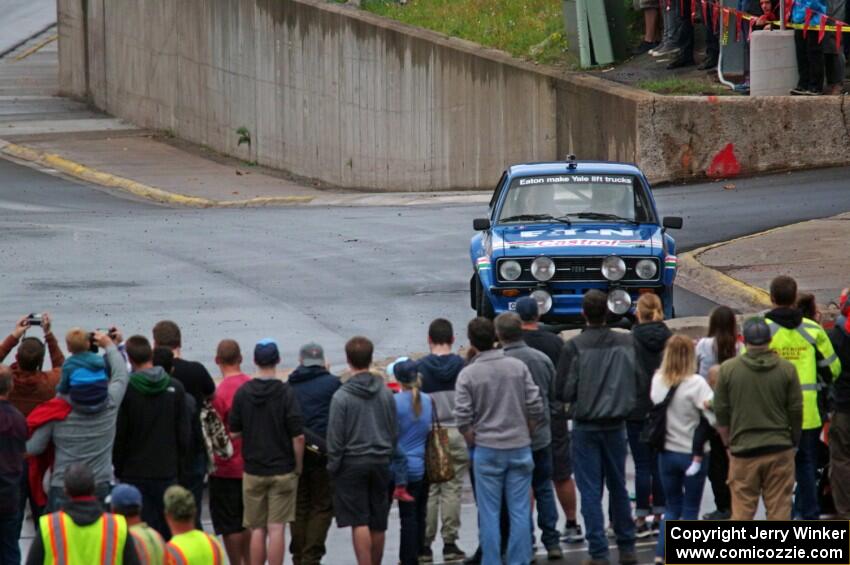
[{"x": 567, "y": 299}]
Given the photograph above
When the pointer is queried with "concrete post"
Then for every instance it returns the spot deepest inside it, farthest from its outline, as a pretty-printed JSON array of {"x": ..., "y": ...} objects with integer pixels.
[{"x": 773, "y": 63}]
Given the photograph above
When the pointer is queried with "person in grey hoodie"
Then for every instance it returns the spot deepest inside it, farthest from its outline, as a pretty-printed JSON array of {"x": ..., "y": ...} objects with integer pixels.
[
  {"x": 362, "y": 435},
  {"x": 438, "y": 372},
  {"x": 509, "y": 332},
  {"x": 151, "y": 433},
  {"x": 87, "y": 434},
  {"x": 497, "y": 405}
]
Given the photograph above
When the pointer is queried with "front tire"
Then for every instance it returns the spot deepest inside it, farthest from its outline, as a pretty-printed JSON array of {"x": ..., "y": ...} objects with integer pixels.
[{"x": 485, "y": 307}]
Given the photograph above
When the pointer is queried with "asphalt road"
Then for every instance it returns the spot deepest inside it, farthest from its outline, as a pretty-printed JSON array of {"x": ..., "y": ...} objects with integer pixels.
[
  {"x": 302, "y": 274},
  {"x": 22, "y": 19}
]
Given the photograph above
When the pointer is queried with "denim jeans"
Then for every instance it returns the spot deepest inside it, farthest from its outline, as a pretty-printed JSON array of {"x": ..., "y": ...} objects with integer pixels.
[
  {"x": 599, "y": 454},
  {"x": 504, "y": 473},
  {"x": 647, "y": 476},
  {"x": 10, "y": 552},
  {"x": 544, "y": 494},
  {"x": 412, "y": 516},
  {"x": 684, "y": 494},
  {"x": 806, "y": 494},
  {"x": 153, "y": 505}
]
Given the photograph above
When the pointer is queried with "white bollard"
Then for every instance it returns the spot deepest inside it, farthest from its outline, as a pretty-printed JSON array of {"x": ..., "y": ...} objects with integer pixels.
[{"x": 773, "y": 63}]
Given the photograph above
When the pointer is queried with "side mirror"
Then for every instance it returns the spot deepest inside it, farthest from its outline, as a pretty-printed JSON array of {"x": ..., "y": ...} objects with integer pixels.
[
  {"x": 481, "y": 224},
  {"x": 672, "y": 222}
]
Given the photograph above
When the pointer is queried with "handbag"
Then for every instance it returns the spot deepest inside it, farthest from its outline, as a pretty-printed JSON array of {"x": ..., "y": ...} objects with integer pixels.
[
  {"x": 654, "y": 431},
  {"x": 216, "y": 439},
  {"x": 438, "y": 459}
]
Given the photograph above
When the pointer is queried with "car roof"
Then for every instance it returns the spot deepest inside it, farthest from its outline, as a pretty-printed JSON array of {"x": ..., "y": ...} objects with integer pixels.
[{"x": 561, "y": 167}]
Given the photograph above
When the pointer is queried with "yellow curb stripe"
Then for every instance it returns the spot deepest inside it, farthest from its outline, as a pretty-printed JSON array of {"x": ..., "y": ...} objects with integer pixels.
[
  {"x": 138, "y": 189},
  {"x": 37, "y": 47}
]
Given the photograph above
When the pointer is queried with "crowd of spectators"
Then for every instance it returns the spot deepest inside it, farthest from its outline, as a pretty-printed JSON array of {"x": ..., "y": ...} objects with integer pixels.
[
  {"x": 668, "y": 36},
  {"x": 113, "y": 447}
]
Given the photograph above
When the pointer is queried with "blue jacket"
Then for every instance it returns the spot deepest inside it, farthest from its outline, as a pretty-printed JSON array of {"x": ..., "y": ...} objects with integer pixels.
[
  {"x": 314, "y": 387},
  {"x": 798, "y": 13}
]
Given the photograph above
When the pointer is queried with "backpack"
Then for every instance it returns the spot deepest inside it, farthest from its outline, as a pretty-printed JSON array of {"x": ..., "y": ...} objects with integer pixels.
[
  {"x": 654, "y": 431},
  {"x": 216, "y": 438}
]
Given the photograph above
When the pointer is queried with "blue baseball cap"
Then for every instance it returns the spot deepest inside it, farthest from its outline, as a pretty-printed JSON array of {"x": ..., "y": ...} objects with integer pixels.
[
  {"x": 126, "y": 496},
  {"x": 266, "y": 353},
  {"x": 527, "y": 309}
]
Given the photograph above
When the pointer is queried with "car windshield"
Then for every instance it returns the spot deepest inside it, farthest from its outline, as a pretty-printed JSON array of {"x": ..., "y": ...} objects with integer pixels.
[{"x": 575, "y": 198}]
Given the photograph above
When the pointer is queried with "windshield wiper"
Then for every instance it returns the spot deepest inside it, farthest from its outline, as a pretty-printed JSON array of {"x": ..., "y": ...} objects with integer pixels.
[
  {"x": 536, "y": 218},
  {"x": 603, "y": 216}
]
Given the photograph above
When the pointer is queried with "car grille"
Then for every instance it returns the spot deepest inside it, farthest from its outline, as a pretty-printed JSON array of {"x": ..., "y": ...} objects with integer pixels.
[{"x": 578, "y": 269}]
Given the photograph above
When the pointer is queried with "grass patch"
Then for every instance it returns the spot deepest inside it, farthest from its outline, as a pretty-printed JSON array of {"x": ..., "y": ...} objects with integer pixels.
[
  {"x": 683, "y": 87},
  {"x": 531, "y": 29}
]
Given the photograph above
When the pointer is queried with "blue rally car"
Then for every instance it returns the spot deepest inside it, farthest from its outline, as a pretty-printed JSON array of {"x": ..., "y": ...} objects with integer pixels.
[{"x": 557, "y": 230}]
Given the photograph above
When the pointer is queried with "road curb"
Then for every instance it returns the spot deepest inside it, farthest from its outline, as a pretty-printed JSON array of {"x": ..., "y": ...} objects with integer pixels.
[
  {"x": 717, "y": 286},
  {"x": 100, "y": 178}
]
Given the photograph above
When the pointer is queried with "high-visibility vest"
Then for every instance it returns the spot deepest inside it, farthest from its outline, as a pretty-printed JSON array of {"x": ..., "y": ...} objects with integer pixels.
[
  {"x": 801, "y": 346},
  {"x": 67, "y": 543},
  {"x": 150, "y": 547},
  {"x": 194, "y": 548}
]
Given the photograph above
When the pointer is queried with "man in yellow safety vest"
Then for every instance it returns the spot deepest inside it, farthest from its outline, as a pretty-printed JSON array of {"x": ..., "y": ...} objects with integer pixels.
[
  {"x": 806, "y": 345},
  {"x": 81, "y": 532},
  {"x": 188, "y": 546}
]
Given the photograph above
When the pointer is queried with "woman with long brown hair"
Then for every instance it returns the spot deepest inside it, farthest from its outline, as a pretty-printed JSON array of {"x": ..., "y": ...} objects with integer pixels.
[
  {"x": 721, "y": 345},
  {"x": 689, "y": 394}
]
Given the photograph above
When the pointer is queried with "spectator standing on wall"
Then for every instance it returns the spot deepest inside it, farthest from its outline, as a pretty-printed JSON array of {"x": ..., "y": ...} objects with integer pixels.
[
  {"x": 314, "y": 388},
  {"x": 651, "y": 25},
  {"x": 805, "y": 344},
  {"x": 226, "y": 502},
  {"x": 721, "y": 345},
  {"x": 759, "y": 411},
  {"x": 677, "y": 45},
  {"x": 496, "y": 404},
  {"x": 810, "y": 53},
  {"x": 650, "y": 335},
  {"x": 438, "y": 372},
  {"x": 197, "y": 383},
  {"x": 691, "y": 397},
  {"x": 839, "y": 426},
  {"x": 599, "y": 369}
]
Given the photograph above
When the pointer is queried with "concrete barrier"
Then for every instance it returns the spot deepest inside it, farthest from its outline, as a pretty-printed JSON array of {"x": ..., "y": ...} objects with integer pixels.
[{"x": 354, "y": 100}]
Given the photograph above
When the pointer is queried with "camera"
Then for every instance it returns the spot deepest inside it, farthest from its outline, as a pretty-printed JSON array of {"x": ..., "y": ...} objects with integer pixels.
[{"x": 33, "y": 320}]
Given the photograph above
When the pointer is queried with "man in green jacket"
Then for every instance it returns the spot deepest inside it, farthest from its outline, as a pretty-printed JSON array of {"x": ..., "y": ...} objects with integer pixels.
[{"x": 759, "y": 409}]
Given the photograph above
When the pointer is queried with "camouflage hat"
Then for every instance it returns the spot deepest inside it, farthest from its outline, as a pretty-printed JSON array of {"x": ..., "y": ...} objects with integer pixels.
[{"x": 179, "y": 503}]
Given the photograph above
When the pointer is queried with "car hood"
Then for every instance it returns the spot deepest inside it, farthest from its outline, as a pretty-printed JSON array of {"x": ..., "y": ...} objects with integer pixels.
[{"x": 577, "y": 239}]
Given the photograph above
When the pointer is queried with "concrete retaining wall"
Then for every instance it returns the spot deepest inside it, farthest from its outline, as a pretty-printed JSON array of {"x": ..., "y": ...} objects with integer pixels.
[{"x": 355, "y": 100}]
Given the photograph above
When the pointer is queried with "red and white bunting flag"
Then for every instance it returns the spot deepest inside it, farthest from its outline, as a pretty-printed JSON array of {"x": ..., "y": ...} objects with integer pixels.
[
  {"x": 807, "y": 21},
  {"x": 822, "y": 28}
]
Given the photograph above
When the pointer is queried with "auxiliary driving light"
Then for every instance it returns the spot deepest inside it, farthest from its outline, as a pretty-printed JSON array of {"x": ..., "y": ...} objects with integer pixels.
[
  {"x": 510, "y": 270},
  {"x": 544, "y": 301},
  {"x": 619, "y": 301}
]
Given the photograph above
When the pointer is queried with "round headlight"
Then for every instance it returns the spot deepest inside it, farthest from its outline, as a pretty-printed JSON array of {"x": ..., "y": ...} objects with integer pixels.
[
  {"x": 544, "y": 301},
  {"x": 543, "y": 269},
  {"x": 510, "y": 270},
  {"x": 646, "y": 269},
  {"x": 613, "y": 268},
  {"x": 619, "y": 301}
]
